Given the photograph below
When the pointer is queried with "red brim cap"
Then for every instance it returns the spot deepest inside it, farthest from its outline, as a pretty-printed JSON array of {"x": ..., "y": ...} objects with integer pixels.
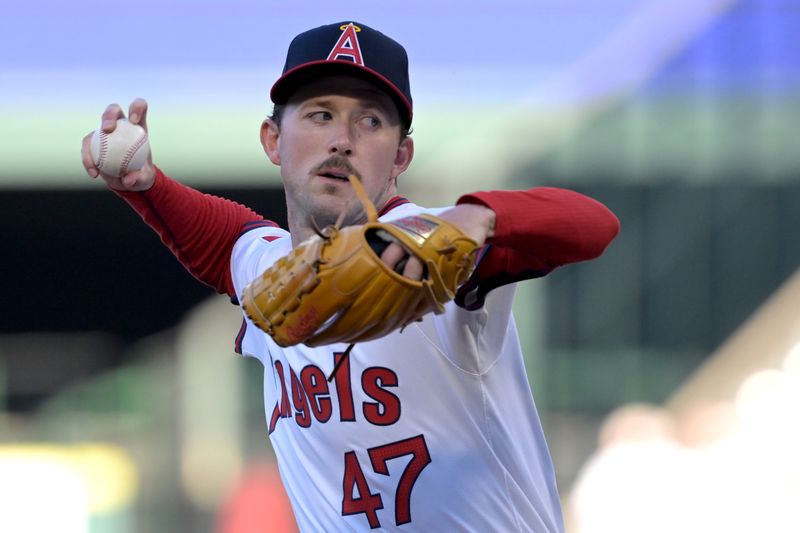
[{"x": 349, "y": 48}]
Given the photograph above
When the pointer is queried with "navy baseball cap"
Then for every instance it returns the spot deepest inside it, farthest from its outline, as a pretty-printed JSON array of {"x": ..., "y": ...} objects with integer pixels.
[{"x": 349, "y": 48}]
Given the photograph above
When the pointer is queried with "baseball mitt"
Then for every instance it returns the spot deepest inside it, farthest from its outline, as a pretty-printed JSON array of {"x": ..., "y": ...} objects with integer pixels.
[{"x": 334, "y": 287}]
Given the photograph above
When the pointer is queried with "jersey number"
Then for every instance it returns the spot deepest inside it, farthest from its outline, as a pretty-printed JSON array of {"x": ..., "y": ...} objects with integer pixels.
[{"x": 368, "y": 503}]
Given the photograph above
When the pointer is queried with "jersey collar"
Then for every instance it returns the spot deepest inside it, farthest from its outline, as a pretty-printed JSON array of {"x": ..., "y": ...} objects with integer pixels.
[{"x": 392, "y": 203}]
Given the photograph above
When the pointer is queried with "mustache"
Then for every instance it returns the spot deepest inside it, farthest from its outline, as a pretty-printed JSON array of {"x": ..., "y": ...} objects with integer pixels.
[{"x": 336, "y": 162}]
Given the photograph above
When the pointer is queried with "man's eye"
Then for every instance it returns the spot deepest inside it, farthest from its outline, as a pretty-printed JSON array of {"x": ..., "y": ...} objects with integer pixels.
[
  {"x": 371, "y": 122},
  {"x": 320, "y": 116}
]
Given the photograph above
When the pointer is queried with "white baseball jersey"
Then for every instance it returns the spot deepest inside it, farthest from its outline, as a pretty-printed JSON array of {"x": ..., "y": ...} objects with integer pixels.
[{"x": 431, "y": 429}]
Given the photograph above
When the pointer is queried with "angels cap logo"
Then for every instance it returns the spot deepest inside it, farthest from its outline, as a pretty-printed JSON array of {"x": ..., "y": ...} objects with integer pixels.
[{"x": 347, "y": 47}]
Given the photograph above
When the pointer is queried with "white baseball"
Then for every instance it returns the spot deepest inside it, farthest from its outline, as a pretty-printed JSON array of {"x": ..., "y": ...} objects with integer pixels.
[{"x": 123, "y": 150}]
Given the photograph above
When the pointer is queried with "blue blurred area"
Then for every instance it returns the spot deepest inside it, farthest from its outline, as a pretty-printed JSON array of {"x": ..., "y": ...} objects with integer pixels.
[
  {"x": 752, "y": 47},
  {"x": 152, "y": 33},
  {"x": 751, "y": 44}
]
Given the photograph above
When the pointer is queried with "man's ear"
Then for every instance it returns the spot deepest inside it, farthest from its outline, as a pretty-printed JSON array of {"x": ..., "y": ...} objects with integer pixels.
[
  {"x": 270, "y": 140},
  {"x": 403, "y": 157}
]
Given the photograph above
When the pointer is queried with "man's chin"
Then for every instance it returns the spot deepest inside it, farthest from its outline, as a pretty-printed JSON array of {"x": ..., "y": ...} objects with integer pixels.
[
  {"x": 328, "y": 209},
  {"x": 353, "y": 217}
]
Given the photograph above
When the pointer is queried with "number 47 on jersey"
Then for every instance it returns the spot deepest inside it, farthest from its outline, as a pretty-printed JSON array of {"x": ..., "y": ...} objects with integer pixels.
[{"x": 368, "y": 503}]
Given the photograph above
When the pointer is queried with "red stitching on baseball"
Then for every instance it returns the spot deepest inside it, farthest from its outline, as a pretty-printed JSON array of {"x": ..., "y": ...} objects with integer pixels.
[
  {"x": 123, "y": 168},
  {"x": 103, "y": 150}
]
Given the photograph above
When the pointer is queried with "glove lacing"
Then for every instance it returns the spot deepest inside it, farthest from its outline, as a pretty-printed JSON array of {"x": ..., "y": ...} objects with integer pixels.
[{"x": 372, "y": 216}]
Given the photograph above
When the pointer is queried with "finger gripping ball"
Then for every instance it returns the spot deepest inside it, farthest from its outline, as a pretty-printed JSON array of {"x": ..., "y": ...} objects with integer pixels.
[{"x": 123, "y": 150}]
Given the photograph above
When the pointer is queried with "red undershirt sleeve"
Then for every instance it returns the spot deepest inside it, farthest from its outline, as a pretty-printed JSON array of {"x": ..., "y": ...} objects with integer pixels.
[
  {"x": 536, "y": 231},
  {"x": 200, "y": 229}
]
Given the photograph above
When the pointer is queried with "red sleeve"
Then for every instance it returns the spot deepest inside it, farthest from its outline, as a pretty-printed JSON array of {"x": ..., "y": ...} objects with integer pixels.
[
  {"x": 536, "y": 231},
  {"x": 199, "y": 229}
]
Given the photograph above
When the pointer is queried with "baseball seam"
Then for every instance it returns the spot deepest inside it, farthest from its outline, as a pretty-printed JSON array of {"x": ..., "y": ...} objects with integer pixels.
[
  {"x": 123, "y": 167},
  {"x": 103, "y": 151}
]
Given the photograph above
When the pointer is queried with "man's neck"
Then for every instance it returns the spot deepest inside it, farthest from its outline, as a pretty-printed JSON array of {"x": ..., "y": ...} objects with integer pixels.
[{"x": 302, "y": 228}]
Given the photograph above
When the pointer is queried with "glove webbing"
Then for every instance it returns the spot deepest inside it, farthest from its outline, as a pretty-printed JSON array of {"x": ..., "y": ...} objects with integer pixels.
[{"x": 372, "y": 216}]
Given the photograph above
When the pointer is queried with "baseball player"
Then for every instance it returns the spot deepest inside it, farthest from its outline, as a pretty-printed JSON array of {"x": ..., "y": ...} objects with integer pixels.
[{"x": 431, "y": 428}]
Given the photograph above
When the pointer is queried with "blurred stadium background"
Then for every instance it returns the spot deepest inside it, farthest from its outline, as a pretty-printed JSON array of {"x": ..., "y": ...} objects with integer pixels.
[{"x": 667, "y": 373}]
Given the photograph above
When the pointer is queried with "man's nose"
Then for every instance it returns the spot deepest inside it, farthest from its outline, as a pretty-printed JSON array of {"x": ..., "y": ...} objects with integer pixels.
[{"x": 342, "y": 141}]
